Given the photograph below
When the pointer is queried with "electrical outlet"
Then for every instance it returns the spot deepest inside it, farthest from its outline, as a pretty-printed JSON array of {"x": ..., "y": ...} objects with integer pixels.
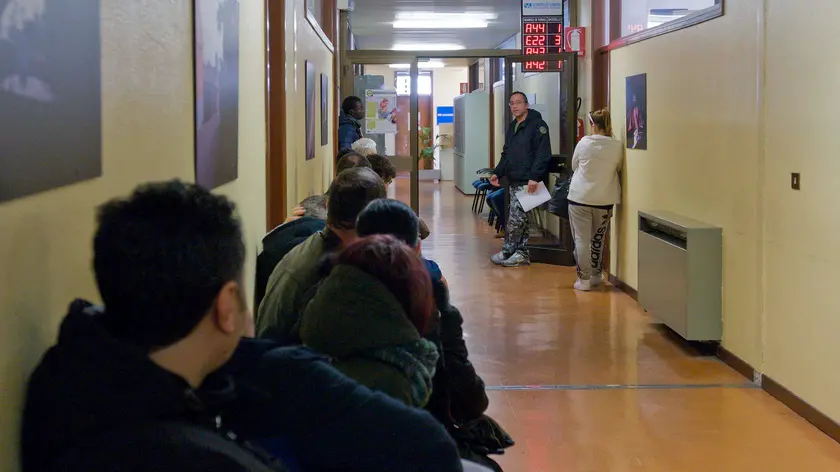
[
  {"x": 757, "y": 378},
  {"x": 794, "y": 180}
]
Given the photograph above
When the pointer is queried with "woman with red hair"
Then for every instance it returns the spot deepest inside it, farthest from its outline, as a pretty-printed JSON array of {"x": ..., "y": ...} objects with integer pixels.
[{"x": 370, "y": 314}]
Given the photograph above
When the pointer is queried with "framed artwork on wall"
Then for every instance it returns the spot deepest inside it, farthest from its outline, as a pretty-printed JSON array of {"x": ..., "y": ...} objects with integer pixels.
[
  {"x": 636, "y": 96},
  {"x": 325, "y": 111},
  {"x": 216, "y": 59},
  {"x": 310, "y": 110},
  {"x": 321, "y": 16},
  {"x": 50, "y": 95}
]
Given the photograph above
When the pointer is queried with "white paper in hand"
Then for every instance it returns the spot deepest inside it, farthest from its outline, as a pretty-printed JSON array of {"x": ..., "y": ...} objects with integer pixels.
[{"x": 528, "y": 201}]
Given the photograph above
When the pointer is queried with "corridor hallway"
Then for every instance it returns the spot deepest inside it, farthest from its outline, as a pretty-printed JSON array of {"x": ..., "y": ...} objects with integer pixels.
[{"x": 586, "y": 382}]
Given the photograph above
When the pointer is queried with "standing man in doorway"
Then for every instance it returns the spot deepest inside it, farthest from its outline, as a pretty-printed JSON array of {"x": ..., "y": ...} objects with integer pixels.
[
  {"x": 525, "y": 160},
  {"x": 350, "y": 122}
]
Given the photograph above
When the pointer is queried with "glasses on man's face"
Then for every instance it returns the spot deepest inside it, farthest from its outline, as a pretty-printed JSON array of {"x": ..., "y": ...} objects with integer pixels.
[{"x": 520, "y": 102}]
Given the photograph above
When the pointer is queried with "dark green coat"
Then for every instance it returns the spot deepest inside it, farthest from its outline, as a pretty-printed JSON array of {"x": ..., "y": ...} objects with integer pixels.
[{"x": 355, "y": 319}]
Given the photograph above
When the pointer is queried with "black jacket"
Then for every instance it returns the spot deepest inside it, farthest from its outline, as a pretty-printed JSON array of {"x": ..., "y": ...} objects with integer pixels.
[
  {"x": 277, "y": 244},
  {"x": 527, "y": 152},
  {"x": 293, "y": 402},
  {"x": 458, "y": 394},
  {"x": 95, "y": 403}
]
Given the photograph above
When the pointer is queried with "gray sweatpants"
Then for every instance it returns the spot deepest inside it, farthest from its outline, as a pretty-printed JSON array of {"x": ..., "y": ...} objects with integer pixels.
[{"x": 589, "y": 229}]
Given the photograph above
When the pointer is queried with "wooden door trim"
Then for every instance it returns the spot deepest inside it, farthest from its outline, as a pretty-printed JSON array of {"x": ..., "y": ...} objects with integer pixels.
[
  {"x": 336, "y": 81},
  {"x": 275, "y": 117}
]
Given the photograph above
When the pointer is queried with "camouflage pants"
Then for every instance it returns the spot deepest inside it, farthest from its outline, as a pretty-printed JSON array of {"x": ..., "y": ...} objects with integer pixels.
[{"x": 516, "y": 232}]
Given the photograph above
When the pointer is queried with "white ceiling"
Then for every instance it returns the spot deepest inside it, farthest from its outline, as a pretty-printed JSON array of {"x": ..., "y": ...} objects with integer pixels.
[{"x": 371, "y": 23}]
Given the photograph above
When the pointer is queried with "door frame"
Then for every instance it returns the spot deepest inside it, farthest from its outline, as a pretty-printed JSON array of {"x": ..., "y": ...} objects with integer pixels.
[
  {"x": 413, "y": 58},
  {"x": 275, "y": 114}
]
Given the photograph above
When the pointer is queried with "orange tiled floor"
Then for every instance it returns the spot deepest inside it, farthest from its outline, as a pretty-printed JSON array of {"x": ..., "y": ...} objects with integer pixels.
[{"x": 527, "y": 327}]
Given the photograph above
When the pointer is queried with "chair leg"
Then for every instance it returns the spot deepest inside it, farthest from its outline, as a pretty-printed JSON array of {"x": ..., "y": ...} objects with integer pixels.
[
  {"x": 481, "y": 201},
  {"x": 475, "y": 200}
]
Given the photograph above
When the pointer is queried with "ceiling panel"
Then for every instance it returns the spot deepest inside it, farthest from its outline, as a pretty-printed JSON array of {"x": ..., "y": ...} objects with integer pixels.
[{"x": 372, "y": 23}]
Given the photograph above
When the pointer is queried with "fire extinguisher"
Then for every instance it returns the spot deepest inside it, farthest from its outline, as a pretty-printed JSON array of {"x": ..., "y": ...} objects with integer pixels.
[{"x": 574, "y": 41}]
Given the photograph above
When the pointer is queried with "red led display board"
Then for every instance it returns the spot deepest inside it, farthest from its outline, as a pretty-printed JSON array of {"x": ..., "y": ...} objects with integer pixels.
[
  {"x": 540, "y": 37},
  {"x": 542, "y": 66}
]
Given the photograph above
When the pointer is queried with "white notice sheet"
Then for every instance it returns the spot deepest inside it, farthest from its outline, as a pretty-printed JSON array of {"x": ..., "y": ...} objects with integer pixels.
[{"x": 528, "y": 201}]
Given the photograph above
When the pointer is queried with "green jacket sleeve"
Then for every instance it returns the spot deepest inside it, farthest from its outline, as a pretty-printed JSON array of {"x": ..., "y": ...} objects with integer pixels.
[{"x": 278, "y": 314}]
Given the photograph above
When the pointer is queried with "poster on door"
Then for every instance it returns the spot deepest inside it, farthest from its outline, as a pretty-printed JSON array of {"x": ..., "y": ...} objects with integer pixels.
[{"x": 380, "y": 112}]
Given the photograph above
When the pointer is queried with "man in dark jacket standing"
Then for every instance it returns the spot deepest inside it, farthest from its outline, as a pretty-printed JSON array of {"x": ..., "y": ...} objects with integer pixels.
[
  {"x": 125, "y": 387},
  {"x": 349, "y": 122},
  {"x": 525, "y": 161}
]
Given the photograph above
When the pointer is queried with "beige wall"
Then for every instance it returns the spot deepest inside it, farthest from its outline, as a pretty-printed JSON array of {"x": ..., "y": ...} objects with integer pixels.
[
  {"x": 730, "y": 117},
  {"x": 388, "y": 74},
  {"x": 303, "y": 44},
  {"x": 446, "y": 85},
  {"x": 45, "y": 245},
  {"x": 801, "y": 228},
  {"x": 703, "y": 153},
  {"x": 500, "y": 103}
]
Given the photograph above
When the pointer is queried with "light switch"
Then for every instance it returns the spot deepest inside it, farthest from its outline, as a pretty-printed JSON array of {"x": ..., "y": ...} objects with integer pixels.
[{"x": 794, "y": 181}]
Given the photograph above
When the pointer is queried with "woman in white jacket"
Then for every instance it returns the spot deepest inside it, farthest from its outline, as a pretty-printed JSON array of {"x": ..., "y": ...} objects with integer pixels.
[{"x": 594, "y": 190}]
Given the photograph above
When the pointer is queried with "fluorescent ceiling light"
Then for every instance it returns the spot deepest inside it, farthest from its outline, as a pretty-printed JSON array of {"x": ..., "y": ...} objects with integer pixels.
[
  {"x": 439, "y": 24},
  {"x": 432, "y": 20},
  {"x": 417, "y": 15},
  {"x": 427, "y": 47},
  {"x": 422, "y": 65}
]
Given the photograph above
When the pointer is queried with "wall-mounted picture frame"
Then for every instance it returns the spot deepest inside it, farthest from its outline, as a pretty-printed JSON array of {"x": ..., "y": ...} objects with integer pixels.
[
  {"x": 316, "y": 15},
  {"x": 636, "y": 97},
  {"x": 325, "y": 111},
  {"x": 216, "y": 49},
  {"x": 50, "y": 95},
  {"x": 310, "y": 110}
]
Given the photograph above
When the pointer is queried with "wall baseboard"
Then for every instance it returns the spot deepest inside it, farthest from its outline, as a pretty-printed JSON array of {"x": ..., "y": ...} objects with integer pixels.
[
  {"x": 737, "y": 364},
  {"x": 622, "y": 285},
  {"x": 782, "y": 394},
  {"x": 776, "y": 390},
  {"x": 801, "y": 408}
]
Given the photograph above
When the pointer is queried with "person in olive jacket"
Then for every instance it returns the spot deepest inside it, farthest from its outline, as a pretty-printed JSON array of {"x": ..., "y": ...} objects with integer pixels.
[
  {"x": 525, "y": 162},
  {"x": 458, "y": 399},
  {"x": 370, "y": 314}
]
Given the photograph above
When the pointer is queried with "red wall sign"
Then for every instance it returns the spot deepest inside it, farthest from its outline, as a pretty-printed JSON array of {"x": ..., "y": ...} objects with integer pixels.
[
  {"x": 465, "y": 87},
  {"x": 576, "y": 40}
]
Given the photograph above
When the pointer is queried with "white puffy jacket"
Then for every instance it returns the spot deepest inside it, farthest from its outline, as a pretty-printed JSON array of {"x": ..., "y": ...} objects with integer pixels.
[{"x": 596, "y": 163}]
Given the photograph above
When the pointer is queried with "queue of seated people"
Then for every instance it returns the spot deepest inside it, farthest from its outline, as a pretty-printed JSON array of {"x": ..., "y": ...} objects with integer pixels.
[{"x": 358, "y": 364}]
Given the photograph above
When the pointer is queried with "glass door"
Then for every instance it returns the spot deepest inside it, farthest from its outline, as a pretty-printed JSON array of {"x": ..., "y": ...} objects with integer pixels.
[{"x": 384, "y": 84}]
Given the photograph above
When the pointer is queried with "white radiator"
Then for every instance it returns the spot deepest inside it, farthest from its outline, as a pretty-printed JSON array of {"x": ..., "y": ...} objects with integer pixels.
[{"x": 680, "y": 274}]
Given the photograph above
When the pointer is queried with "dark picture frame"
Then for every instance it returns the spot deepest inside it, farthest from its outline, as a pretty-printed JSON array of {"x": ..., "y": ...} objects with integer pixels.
[
  {"x": 693, "y": 19},
  {"x": 50, "y": 97},
  {"x": 636, "y": 128},
  {"x": 310, "y": 110},
  {"x": 216, "y": 76},
  {"x": 325, "y": 111},
  {"x": 316, "y": 13}
]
